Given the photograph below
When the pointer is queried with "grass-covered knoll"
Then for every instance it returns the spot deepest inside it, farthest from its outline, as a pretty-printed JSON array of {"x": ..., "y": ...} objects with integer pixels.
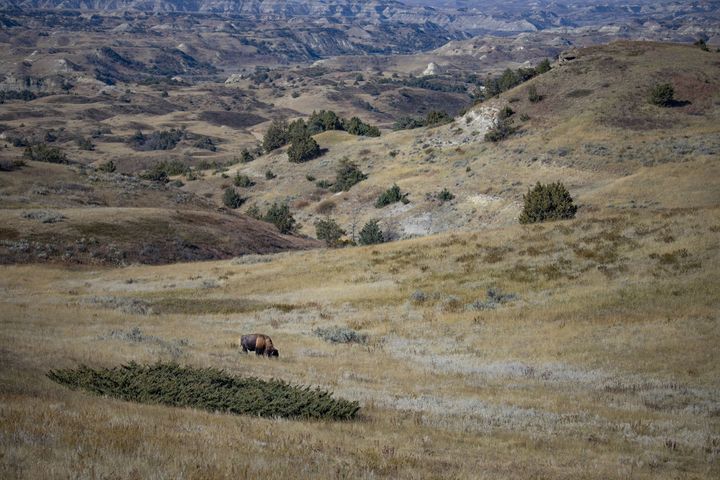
[{"x": 208, "y": 389}]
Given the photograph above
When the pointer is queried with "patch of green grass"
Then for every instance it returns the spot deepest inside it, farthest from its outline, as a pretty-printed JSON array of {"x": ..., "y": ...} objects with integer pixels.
[{"x": 208, "y": 389}]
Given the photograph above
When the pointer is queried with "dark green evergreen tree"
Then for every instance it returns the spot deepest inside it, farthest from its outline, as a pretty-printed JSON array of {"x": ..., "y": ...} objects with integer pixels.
[{"x": 371, "y": 233}]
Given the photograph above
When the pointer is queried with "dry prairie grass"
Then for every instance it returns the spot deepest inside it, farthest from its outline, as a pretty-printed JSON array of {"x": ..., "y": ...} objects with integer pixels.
[{"x": 604, "y": 366}]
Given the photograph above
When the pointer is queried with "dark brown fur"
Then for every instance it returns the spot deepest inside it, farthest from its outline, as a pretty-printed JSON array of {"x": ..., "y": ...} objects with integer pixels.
[{"x": 260, "y": 344}]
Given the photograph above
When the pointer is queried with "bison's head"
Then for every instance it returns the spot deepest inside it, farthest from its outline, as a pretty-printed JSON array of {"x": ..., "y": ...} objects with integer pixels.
[{"x": 273, "y": 352}]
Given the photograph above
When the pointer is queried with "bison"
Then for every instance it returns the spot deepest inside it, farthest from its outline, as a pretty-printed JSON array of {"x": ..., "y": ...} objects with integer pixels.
[{"x": 260, "y": 344}]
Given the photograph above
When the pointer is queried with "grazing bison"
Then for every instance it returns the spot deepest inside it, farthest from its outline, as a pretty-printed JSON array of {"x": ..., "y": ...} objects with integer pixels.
[{"x": 260, "y": 344}]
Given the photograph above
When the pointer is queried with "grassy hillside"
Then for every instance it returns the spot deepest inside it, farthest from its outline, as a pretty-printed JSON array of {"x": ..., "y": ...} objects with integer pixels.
[
  {"x": 584, "y": 348},
  {"x": 68, "y": 214},
  {"x": 593, "y": 129}
]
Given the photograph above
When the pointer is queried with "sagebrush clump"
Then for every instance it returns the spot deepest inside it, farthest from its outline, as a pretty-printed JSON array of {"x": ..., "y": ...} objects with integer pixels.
[{"x": 341, "y": 335}]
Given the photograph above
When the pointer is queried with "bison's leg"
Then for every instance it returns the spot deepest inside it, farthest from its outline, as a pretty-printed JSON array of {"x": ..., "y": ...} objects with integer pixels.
[
  {"x": 245, "y": 350},
  {"x": 259, "y": 351}
]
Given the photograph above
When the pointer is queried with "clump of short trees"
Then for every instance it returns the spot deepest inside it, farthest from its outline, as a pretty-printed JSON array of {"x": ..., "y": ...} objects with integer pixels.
[
  {"x": 299, "y": 133},
  {"x": 391, "y": 195},
  {"x": 432, "y": 119},
  {"x": 162, "y": 140},
  {"x": 494, "y": 86}
]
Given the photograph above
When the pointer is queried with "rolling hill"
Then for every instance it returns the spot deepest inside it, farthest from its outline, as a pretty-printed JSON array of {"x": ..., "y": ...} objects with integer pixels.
[{"x": 594, "y": 129}]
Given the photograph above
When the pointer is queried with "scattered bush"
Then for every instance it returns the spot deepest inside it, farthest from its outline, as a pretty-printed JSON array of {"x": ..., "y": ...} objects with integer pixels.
[
  {"x": 391, "y": 195},
  {"x": 276, "y": 136},
  {"x": 506, "y": 112},
  {"x": 303, "y": 148},
  {"x": 329, "y": 231},
  {"x": 662, "y": 95},
  {"x": 280, "y": 216},
  {"x": 164, "y": 169},
  {"x": 205, "y": 143},
  {"x": 547, "y": 202},
  {"x": 340, "y": 335},
  {"x": 324, "y": 120},
  {"x": 418, "y": 296},
  {"x": 543, "y": 67},
  {"x": 408, "y": 123},
  {"x": 371, "y": 234},
  {"x": 499, "y": 130},
  {"x": 246, "y": 156},
  {"x": 445, "y": 195},
  {"x": 495, "y": 298},
  {"x": 298, "y": 132},
  {"x": 107, "y": 167},
  {"x": 44, "y": 153},
  {"x": 232, "y": 199},
  {"x": 253, "y": 212},
  {"x": 44, "y": 216},
  {"x": 533, "y": 94},
  {"x": 510, "y": 78},
  {"x": 269, "y": 175},
  {"x": 437, "y": 117},
  {"x": 434, "y": 118},
  {"x": 347, "y": 175},
  {"x": 85, "y": 144},
  {"x": 100, "y": 131},
  {"x": 324, "y": 184},
  {"x": 242, "y": 181},
  {"x": 162, "y": 140},
  {"x": 701, "y": 44},
  {"x": 208, "y": 389},
  {"x": 355, "y": 126}
]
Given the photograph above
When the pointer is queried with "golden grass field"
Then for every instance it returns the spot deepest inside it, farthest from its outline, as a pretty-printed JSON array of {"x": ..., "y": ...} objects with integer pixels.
[{"x": 605, "y": 366}]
